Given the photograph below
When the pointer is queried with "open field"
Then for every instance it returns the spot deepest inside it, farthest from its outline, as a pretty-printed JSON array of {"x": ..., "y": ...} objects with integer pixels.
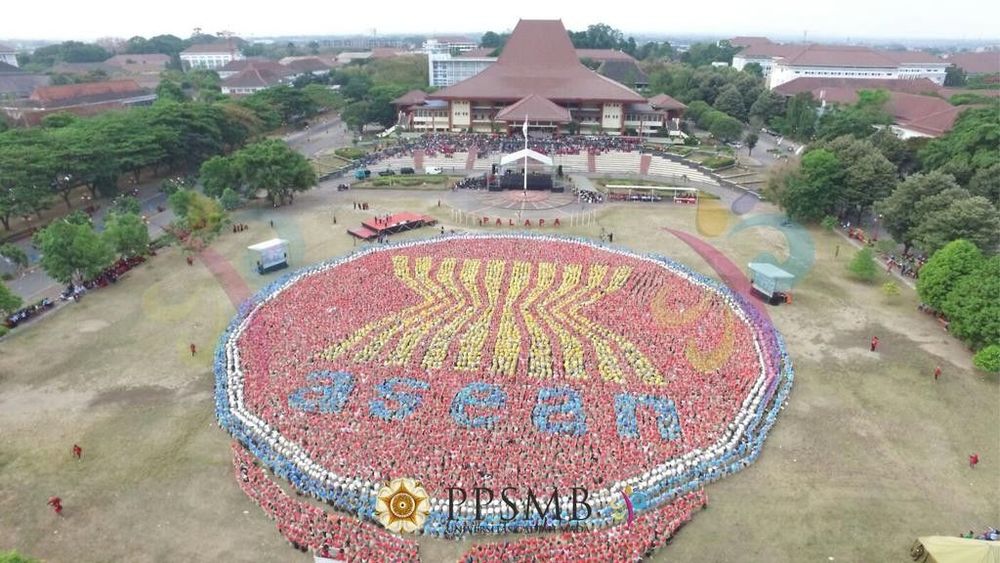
[{"x": 870, "y": 452}]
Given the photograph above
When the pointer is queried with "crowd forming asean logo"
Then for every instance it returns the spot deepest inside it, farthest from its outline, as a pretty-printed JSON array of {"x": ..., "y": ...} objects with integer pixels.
[{"x": 500, "y": 383}]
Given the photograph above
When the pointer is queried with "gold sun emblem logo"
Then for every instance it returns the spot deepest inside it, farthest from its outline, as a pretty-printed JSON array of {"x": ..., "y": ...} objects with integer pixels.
[{"x": 402, "y": 506}]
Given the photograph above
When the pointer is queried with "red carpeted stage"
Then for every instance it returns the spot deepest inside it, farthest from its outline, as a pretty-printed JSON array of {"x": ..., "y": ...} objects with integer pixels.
[{"x": 376, "y": 226}]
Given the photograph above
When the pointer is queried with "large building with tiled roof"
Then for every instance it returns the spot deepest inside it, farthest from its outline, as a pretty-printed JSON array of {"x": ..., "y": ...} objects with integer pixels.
[
  {"x": 837, "y": 61},
  {"x": 538, "y": 68},
  {"x": 916, "y": 106},
  {"x": 210, "y": 55},
  {"x": 986, "y": 62},
  {"x": 785, "y": 62},
  {"x": 152, "y": 63},
  {"x": 79, "y": 99}
]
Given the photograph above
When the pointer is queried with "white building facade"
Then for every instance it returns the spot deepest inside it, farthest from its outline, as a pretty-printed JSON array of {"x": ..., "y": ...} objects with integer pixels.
[
  {"x": 210, "y": 56},
  {"x": 445, "y": 70},
  {"x": 784, "y": 63},
  {"x": 783, "y": 72},
  {"x": 448, "y": 44}
]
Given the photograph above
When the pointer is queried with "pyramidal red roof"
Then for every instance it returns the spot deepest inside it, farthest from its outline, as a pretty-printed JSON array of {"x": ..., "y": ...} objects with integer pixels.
[
  {"x": 539, "y": 59},
  {"x": 534, "y": 108}
]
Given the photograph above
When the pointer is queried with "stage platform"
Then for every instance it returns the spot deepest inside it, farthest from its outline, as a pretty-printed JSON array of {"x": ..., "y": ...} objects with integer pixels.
[{"x": 376, "y": 226}]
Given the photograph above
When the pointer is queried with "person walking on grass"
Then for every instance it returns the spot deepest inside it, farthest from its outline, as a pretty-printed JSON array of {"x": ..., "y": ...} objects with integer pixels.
[
  {"x": 874, "y": 344},
  {"x": 937, "y": 373}
]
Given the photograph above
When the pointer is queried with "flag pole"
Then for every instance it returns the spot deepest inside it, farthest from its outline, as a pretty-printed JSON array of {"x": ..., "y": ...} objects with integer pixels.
[{"x": 524, "y": 193}]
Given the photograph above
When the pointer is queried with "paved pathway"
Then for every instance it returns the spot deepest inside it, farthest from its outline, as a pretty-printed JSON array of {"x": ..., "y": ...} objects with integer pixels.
[{"x": 34, "y": 284}]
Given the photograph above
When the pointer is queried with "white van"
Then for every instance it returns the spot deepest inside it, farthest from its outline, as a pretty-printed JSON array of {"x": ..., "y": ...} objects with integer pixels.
[{"x": 432, "y": 170}]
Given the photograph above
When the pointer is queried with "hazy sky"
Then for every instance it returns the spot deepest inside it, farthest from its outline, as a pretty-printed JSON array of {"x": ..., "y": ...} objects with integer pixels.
[{"x": 76, "y": 19}]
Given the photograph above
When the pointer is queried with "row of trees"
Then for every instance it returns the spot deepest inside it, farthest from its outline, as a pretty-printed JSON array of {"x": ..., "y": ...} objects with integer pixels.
[
  {"x": 939, "y": 196},
  {"x": 925, "y": 196},
  {"x": 73, "y": 251},
  {"x": 368, "y": 89},
  {"x": 963, "y": 283},
  {"x": 269, "y": 166},
  {"x": 39, "y": 166}
]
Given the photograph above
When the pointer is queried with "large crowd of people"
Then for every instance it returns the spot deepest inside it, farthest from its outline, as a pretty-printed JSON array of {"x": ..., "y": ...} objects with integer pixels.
[
  {"x": 486, "y": 144},
  {"x": 310, "y": 528},
  {"x": 568, "y": 338},
  {"x": 634, "y": 541}
]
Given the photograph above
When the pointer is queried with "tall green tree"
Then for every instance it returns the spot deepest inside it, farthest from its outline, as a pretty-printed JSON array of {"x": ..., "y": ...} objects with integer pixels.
[
  {"x": 800, "y": 117},
  {"x": 494, "y": 40},
  {"x": 72, "y": 252},
  {"x": 954, "y": 77},
  {"x": 988, "y": 359},
  {"x": 169, "y": 91},
  {"x": 972, "y": 218},
  {"x": 810, "y": 194},
  {"x": 970, "y": 145},
  {"x": 726, "y": 128},
  {"x": 863, "y": 266},
  {"x": 767, "y": 106},
  {"x": 903, "y": 211},
  {"x": 127, "y": 234},
  {"x": 9, "y": 301},
  {"x": 275, "y": 168},
  {"x": 868, "y": 175},
  {"x": 986, "y": 182},
  {"x": 729, "y": 101},
  {"x": 218, "y": 174},
  {"x": 700, "y": 54},
  {"x": 126, "y": 204},
  {"x": 751, "y": 141},
  {"x": 355, "y": 115},
  {"x": 941, "y": 273},
  {"x": 754, "y": 69},
  {"x": 15, "y": 254},
  {"x": 972, "y": 305}
]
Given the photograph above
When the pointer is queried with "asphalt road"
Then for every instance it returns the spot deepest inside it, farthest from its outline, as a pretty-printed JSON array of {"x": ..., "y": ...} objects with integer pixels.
[{"x": 33, "y": 284}]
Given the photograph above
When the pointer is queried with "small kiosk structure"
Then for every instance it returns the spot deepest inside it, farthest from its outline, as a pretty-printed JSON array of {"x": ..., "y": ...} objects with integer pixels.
[
  {"x": 771, "y": 282},
  {"x": 270, "y": 255}
]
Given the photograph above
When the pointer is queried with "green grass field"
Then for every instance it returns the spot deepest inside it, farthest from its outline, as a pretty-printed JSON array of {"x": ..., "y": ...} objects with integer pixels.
[{"x": 870, "y": 452}]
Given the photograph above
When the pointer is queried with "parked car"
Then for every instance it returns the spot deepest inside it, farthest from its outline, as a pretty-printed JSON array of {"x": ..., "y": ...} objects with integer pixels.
[
  {"x": 343, "y": 187},
  {"x": 406, "y": 170},
  {"x": 432, "y": 170},
  {"x": 387, "y": 172},
  {"x": 362, "y": 174}
]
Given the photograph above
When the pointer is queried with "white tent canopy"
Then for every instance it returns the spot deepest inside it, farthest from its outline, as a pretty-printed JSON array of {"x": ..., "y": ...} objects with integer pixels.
[
  {"x": 270, "y": 255},
  {"x": 526, "y": 153},
  {"x": 267, "y": 245}
]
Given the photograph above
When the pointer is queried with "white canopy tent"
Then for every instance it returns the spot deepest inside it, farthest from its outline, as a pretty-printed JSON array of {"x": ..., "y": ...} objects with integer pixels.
[
  {"x": 525, "y": 154},
  {"x": 271, "y": 255}
]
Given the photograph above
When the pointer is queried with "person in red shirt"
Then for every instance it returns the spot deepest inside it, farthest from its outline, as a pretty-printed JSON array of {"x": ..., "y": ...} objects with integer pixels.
[
  {"x": 937, "y": 373},
  {"x": 973, "y": 460},
  {"x": 194, "y": 349},
  {"x": 77, "y": 451},
  {"x": 874, "y": 343},
  {"x": 56, "y": 504}
]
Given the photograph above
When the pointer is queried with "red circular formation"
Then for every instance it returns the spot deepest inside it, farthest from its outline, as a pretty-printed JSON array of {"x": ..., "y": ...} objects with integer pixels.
[{"x": 701, "y": 353}]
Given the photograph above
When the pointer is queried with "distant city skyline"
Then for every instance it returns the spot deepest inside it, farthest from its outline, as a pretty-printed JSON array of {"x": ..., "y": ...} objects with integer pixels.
[{"x": 959, "y": 20}]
